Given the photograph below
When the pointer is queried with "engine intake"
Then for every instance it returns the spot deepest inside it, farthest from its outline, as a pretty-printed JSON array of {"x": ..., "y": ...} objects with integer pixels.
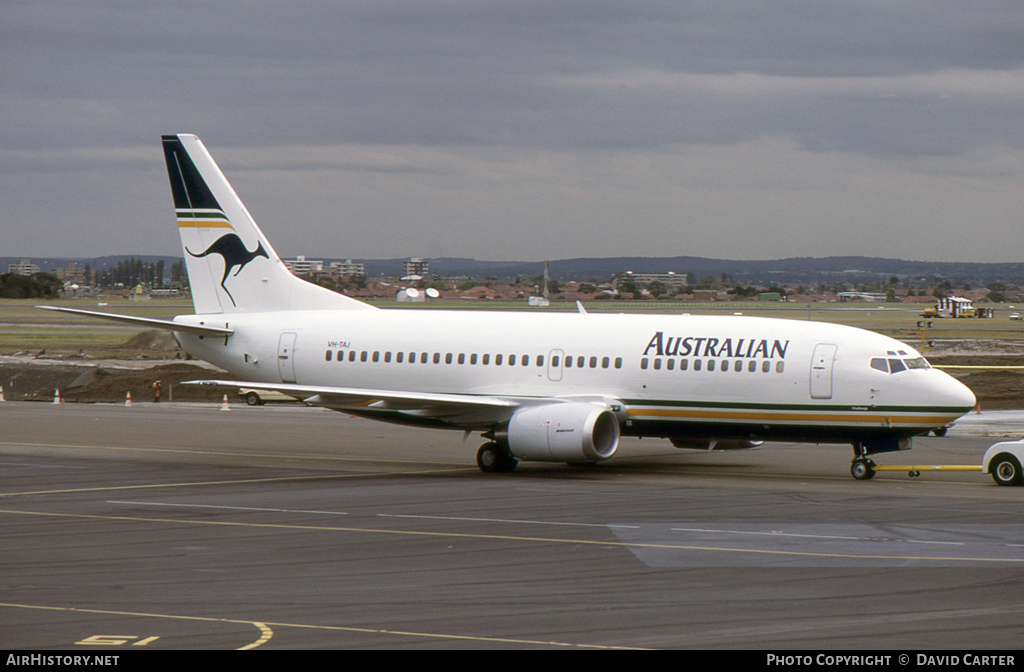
[{"x": 568, "y": 432}]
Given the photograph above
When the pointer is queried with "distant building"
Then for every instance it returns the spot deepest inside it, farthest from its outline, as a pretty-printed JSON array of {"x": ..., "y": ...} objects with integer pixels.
[
  {"x": 955, "y": 306},
  {"x": 347, "y": 268},
  {"x": 26, "y": 267},
  {"x": 861, "y": 296},
  {"x": 670, "y": 280},
  {"x": 71, "y": 274},
  {"x": 302, "y": 266},
  {"x": 415, "y": 266}
]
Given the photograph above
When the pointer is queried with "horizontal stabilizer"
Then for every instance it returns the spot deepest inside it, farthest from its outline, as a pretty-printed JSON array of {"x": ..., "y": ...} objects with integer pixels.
[{"x": 150, "y": 322}]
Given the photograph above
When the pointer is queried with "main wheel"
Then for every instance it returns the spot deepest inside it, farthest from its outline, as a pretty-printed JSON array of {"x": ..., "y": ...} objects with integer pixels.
[
  {"x": 493, "y": 458},
  {"x": 1005, "y": 469},
  {"x": 862, "y": 470}
]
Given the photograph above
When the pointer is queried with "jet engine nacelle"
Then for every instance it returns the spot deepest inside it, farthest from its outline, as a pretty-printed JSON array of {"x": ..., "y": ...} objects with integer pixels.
[
  {"x": 569, "y": 432},
  {"x": 714, "y": 444}
]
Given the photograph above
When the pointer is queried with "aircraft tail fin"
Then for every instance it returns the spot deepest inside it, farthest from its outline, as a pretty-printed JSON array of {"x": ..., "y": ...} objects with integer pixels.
[{"x": 232, "y": 268}]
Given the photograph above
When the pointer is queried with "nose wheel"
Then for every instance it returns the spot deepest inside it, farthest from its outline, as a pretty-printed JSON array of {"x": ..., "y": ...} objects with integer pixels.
[{"x": 862, "y": 468}]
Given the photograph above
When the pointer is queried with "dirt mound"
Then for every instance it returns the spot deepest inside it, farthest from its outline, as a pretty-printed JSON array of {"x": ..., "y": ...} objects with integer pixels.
[
  {"x": 995, "y": 388},
  {"x": 113, "y": 386},
  {"x": 38, "y": 382},
  {"x": 21, "y": 381},
  {"x": 152, "y": 339}
]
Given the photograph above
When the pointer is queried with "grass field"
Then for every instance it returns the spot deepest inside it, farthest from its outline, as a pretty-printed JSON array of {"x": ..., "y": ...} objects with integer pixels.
[{"x": 25, "y": 328}]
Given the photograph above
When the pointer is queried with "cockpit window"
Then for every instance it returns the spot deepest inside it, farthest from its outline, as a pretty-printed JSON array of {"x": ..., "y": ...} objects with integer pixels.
[{"x": 895, "y": 365}]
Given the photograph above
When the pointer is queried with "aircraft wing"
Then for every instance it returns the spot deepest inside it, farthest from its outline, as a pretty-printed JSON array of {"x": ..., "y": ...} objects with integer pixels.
[
  {"x": 421, "y": 404},
  {"x": 150, "y": 322}
]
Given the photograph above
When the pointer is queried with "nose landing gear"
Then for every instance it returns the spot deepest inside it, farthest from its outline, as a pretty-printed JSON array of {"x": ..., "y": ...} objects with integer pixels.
[{"x": 862, "y": 468}]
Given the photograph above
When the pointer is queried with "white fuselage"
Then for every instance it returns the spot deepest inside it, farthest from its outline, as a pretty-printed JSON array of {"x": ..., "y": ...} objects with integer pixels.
[{"x": 667, "y": 375}]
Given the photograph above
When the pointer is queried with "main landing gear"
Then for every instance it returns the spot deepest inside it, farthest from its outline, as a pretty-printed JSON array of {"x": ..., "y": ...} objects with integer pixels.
[{"x": 494, "y": 458}]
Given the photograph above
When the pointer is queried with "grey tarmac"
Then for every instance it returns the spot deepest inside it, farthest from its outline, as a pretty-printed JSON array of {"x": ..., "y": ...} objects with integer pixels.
[{"x": 184, "y": 527}]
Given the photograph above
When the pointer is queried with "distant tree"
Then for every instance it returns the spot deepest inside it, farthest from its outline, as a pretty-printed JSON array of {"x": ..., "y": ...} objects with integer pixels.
[{"x": 35, "y": 286}]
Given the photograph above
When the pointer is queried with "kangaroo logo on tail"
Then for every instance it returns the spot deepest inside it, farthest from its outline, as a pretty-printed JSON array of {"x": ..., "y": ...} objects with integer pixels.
[{"x": 231, "y": 248}]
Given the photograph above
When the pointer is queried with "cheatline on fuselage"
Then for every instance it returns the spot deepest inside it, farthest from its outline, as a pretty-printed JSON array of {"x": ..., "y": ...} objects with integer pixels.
[{"x": 556, "y": 387}]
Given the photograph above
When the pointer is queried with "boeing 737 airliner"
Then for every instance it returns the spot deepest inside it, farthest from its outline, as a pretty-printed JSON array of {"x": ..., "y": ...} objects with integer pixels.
[{"x": 553, "y": 387}]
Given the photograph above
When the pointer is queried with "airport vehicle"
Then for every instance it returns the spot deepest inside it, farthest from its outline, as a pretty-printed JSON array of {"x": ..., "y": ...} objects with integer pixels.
[
  {"x": 1003, "y": 461},
  {"x": 552, "y": 387},
  {"x": 260, "y": 397}
]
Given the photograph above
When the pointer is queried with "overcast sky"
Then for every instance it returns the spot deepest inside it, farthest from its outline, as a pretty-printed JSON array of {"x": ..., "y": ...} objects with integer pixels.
[{"x": 520, "y": 130}]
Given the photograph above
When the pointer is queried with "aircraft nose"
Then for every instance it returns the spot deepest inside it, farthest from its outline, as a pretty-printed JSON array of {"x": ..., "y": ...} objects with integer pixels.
[{"x": 956, "y": 394}]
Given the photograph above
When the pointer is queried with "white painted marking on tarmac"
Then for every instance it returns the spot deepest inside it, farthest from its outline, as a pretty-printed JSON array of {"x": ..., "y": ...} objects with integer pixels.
[
  {"x": 779, "y": 534},
  {"x": 234, "y": 508},
  {"x": 38, "y": 466},
  {"x": 502, "y": 520}
]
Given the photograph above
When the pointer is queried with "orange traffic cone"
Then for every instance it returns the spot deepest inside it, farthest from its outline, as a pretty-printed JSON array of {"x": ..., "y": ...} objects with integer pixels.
[
  {"x": 128, "y": 400},
  {"x": 224, "y": 404},
  {"x": 2, "y": 393},
  {"x": 56, "y": 397}
]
